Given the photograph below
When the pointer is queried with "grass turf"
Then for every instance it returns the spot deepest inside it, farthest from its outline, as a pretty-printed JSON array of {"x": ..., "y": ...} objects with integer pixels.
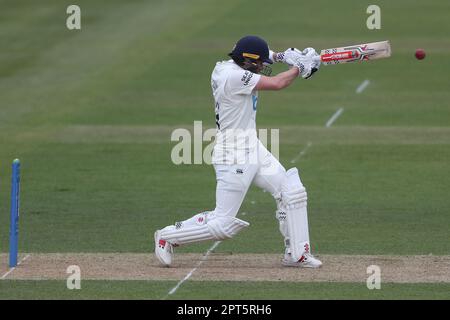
[
  {"x": 218, "y": 290},
  {"x": 75, "y": 104}
]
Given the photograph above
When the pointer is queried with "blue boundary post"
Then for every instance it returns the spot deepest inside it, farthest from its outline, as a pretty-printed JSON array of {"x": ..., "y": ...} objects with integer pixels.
[{"x": 14, "y": 226}]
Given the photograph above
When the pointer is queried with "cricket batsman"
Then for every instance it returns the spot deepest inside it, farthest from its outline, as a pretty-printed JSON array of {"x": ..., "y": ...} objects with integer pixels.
[{"x": 240, "y": 159}]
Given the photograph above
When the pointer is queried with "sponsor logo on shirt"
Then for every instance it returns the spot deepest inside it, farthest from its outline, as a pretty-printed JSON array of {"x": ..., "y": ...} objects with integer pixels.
[
  {"x": 246, "y": 77},
  {"x": 255, "y": 102}
]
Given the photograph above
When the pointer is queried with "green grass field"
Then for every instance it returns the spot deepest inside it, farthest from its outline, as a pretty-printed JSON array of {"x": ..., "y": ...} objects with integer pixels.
[
  {"x": 217, "y": 290},
  {"x": 90, "y": 112}
]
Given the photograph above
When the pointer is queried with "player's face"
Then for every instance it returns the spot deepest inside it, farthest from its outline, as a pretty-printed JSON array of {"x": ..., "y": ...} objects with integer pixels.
[{"x": 259, "y": 66}]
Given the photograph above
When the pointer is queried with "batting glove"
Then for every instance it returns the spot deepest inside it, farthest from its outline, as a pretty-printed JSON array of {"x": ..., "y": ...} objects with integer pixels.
[
  {"x": 315, "y": 57},
  {"x": 304, "y": 62}
]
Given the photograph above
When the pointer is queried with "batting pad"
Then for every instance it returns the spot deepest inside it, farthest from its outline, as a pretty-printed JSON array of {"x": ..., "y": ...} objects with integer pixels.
[
  {"x": 297, "y": 221},
  {"x": 295, "y": 201},
  {"x": 219, "y": 228}
]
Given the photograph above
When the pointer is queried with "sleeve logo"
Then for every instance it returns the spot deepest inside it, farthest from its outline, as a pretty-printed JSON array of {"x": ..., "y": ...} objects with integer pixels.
[{"x": 246, "y": 77}]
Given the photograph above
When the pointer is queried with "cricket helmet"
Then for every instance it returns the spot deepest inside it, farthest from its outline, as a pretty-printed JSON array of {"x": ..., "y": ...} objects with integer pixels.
[{"x": 250, "y": 52}]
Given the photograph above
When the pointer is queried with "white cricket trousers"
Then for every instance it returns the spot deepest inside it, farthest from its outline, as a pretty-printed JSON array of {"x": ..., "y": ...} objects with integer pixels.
[{"x": 233, "y": 181}]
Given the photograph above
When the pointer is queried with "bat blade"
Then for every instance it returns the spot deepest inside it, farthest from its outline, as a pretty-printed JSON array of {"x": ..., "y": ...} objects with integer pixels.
[{"x": 359, "y": 52}]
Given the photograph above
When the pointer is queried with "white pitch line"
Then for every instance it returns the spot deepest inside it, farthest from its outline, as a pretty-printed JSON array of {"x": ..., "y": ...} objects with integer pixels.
[
  {"x": 302, "y": 152},
  {"x": 362, "y": 86},
  {"x": 334, "y": 117},
  {"x": 328, "y": 124},
  {"x": 205, "y": 257},
  {"x": 14, "y": 268}
]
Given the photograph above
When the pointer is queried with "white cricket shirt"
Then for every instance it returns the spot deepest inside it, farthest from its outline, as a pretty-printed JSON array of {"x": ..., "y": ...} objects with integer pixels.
[{"x": 235, "y": 106}]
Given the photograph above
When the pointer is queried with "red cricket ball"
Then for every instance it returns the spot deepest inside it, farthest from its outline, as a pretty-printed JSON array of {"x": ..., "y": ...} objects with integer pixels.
[{"x": 420, "y": 54}]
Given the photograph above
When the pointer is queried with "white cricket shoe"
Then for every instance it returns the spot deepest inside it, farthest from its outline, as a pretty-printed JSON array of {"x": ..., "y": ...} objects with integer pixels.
[
  {"x": 163, "y": 250},
  {"x": 306, "y": 261}
]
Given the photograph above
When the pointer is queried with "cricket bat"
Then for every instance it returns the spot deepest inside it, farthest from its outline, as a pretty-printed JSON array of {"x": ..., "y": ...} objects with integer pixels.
[{"x": 359, "y": 52}]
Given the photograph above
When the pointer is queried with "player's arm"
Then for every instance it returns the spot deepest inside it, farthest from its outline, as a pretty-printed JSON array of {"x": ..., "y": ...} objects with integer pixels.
[
  {"x": 304, "y": 64},
  {"x": 278, "y": 82}
]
